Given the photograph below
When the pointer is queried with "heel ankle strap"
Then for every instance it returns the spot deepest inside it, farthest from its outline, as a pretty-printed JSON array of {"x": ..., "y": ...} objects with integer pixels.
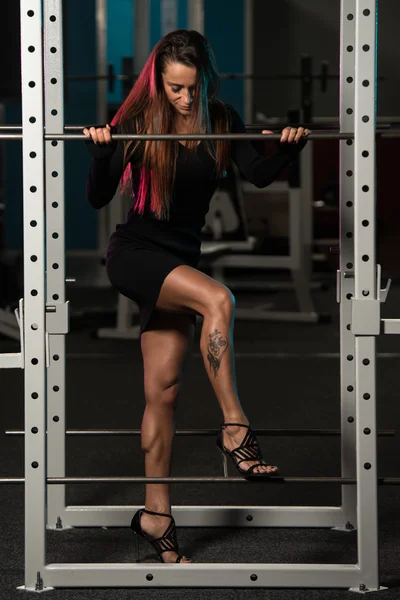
[
  {"x": 151, "y": 512},
  {"x": 234, "y": 425}
]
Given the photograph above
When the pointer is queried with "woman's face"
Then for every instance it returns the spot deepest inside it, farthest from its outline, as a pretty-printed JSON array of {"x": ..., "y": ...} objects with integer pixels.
[{"x": 179, "y": 85}]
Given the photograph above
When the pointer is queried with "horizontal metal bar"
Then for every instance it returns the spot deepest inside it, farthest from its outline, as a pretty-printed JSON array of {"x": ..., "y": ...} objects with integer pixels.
[
  {"x": 193, "y": 136},
  {"x": 168, "y": 136},
  {"x": 388, "y": 134},
  {"x": 329, "y": 125},
  {"x": 283, "y": 77},
  {"x": 239, "y": 355},
  {"x": 10, "y": 136},
  {"x": 172, "y": 137},
  {"x": 228, "y": 76},
  {"x": 11, "y": 360},
  {"x": 390, "y": 326},
  {"x": 19, "y": 128},
  {"x": 215, "y": 576},
  {"x": 211, "y": 432},
  {"x": 155, "y": 480},
  {"x": 225, "y": 76},
  {"x": 315, "y": 126},
  {"x": 321, "y": 135}
]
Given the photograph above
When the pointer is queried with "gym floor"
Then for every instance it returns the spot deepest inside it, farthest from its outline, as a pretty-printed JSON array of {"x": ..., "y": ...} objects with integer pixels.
[{"x": 288, "y": 377}]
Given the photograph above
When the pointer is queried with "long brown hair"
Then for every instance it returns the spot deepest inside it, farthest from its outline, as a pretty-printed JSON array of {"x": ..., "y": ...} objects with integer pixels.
[{"x": 148, "y": 110}]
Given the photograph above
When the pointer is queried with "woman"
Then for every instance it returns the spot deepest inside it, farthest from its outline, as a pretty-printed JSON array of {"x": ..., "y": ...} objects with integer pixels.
[{"x": 152, "y": 258}]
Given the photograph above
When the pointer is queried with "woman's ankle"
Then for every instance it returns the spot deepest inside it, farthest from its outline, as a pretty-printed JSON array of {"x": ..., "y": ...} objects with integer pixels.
[
  {"x": 162, "y": 509},
  {"x": 237, "y": 419}
]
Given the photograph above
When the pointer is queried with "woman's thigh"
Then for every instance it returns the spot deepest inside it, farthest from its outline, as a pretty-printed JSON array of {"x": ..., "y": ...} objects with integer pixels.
[
  {"x": 190, "y": 291},
  {"x": 165, "y": 345}
]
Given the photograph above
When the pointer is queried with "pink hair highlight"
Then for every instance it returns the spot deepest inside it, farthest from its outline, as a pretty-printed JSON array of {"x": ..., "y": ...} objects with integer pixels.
[
  {"x": 145, "y": 178},
  {"x": 146, "y": 110},
  {"x": 152, "y": 69},
  {"x": 144, "y": 88}
]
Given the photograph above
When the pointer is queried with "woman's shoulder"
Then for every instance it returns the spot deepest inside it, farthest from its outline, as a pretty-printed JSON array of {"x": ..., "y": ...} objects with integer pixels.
[
  {"x": 229, "y": 115},
  {"x": 222, "y": 112},
  {"x": 216, "y": 105}
]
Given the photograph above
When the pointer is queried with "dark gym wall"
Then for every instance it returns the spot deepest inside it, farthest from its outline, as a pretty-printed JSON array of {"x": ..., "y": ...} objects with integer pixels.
[
  {"x": 120, "y": 42},
  {"x": 10, "y": 95},
  {"x": 285, "y": 29},
  {"x": 10, "y": 79},
  {"x": 155, "y": 19},
  {"x": 224, "y": 29},
  {"x": 80, "y": 108},
  {"x": 13, "y": 183}
]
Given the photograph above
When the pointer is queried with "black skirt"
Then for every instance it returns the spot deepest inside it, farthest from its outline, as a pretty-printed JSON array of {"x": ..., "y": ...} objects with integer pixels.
[{"x": 138, "y": 271}]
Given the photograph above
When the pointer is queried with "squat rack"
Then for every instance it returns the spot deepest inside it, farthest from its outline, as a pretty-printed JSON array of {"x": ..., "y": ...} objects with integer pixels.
[{"x": 43, "y": 317}]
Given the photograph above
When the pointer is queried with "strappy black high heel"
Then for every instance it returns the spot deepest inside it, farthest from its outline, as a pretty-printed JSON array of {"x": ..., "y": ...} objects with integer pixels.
[
  {"x": 166, "y": 543},
  {"x": 248, "y": 450}
]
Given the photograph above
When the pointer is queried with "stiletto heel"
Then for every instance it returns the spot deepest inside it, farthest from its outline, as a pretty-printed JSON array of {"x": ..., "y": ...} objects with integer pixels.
[
  {"x": 224, "y": 462},
  {"x": 166, "y": 543},
  {"x": 248, "y": 450},
  {"x": 137, "y": 544}
]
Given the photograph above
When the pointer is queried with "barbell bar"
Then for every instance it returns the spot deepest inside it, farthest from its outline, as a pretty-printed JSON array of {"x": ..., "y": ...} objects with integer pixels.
[
  {"x": 225, "y": 76},
  {"x": 323, "y": 77},
  {"x": 158, "y": 480},
  {"x": 329, "y": 125},
  {"x": 208, "y": 432},
  {"x": 201, "y": 136}
]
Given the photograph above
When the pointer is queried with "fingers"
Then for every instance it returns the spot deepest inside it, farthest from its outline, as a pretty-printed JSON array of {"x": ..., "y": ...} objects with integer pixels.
[
  {"x": 107, "y": 134},
  {"x": 293, "y": 134},
  {"x": 99, "y": 135},
  {"x": 301, "y": 132},
  {"x": 289, "y": 135}
]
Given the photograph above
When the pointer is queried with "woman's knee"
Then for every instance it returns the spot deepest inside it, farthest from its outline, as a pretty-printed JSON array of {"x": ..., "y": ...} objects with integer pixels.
[
  {"x": 222, "y": 303},
  {"x": 162, "y": 393}
]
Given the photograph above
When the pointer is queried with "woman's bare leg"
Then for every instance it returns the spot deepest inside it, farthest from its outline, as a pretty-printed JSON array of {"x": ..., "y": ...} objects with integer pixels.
[
  {"x": 164, "y": 348},
  {"x": 186, "y": 288}
]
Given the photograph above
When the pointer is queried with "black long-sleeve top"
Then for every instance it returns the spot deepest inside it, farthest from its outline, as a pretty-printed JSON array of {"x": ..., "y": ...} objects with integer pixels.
[{"x": 195, "y": 184}]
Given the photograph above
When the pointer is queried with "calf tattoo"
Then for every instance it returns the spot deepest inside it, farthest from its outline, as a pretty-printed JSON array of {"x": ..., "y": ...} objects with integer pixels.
[{"x": 217, "y": 346}]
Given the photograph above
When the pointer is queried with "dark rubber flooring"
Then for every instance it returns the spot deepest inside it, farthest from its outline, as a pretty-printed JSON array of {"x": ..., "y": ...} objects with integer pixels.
[{"x": 288, "y": 377}]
